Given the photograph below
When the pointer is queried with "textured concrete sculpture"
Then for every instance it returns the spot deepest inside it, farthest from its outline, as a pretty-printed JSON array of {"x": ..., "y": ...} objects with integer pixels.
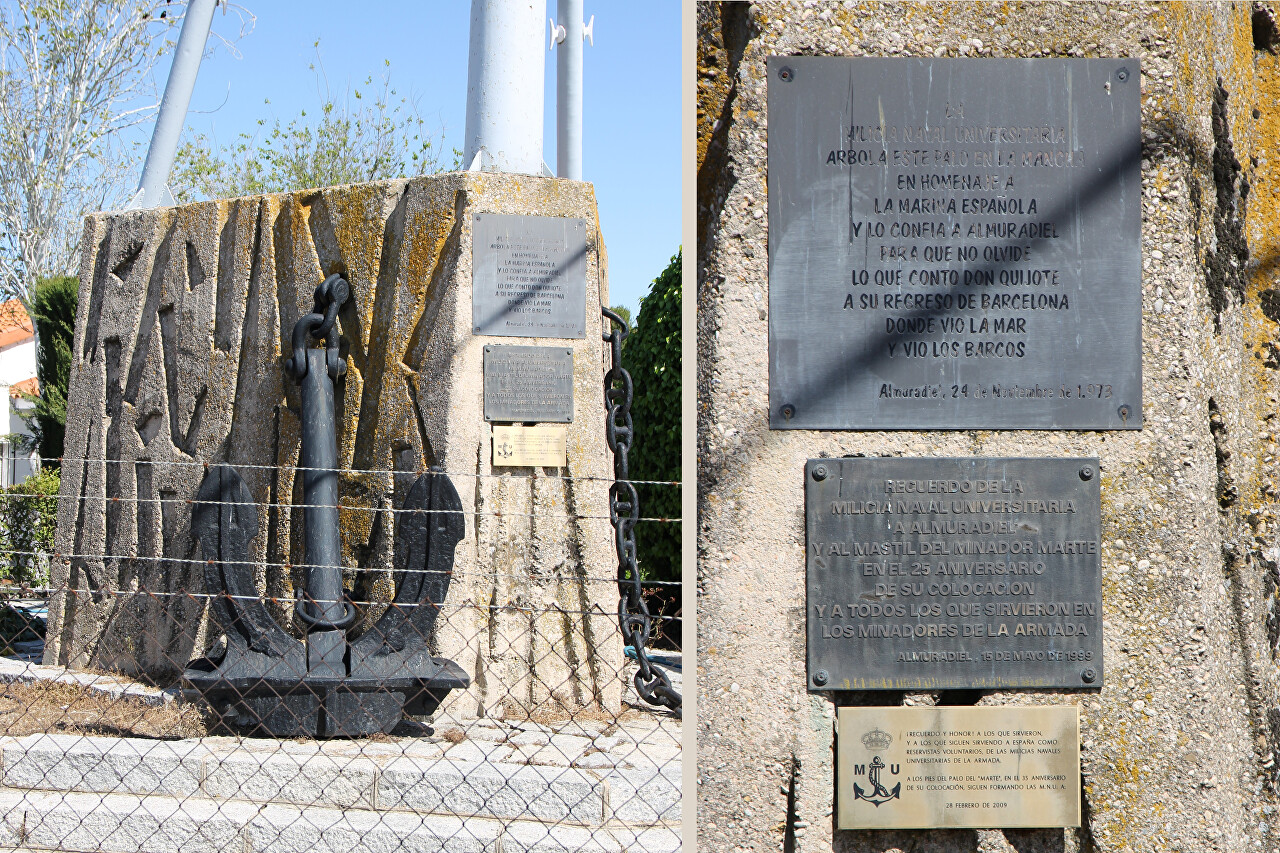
[{"x": 178, "y": 364}]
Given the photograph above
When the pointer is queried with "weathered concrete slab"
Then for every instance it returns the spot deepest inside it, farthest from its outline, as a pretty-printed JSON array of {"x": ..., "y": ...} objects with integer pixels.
[
  {"x": 178, "y": 362},
  {"x": 103, "y": 765},
  {"x": 495, "y": 790},
  {"x": 120, "y": 823},
  {"x": 649, "y": 795},
  {"x": 341, "y": 782},
  {"x": 409, "y": 775},
  {"x": 125, "y": 823}
]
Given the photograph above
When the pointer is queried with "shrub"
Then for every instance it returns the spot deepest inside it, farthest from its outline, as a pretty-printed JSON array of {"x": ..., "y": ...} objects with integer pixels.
[
  {"x": 54, "y": 312},
  {"x": 28, "y": 519},
  {"x": 652, "y": 355}
]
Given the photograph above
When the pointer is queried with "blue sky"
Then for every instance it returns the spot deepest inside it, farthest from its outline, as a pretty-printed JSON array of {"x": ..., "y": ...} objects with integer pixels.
[{"x": 631, "y": 98}]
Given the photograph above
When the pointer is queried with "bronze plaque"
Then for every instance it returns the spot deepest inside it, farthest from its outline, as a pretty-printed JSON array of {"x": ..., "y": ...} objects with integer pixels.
[
  {"x": 976, "y": 767},
  {"x": 928, "y": 574},
  {"x": 528, "y": 384},
  {"x": 534, "y": 446}
]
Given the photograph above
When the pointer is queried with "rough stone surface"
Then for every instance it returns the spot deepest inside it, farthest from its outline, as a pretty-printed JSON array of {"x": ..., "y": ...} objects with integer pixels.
[
  {"x": 551, "y": 798},
  {"x": 106, "y": 765},
  {"x": 1179, "y": 745},
  {"x": 551, "y": 793},
  {"x": 120, "y": 823},
  {"x": 178, "y": 355},
  {"x": 342, "y": 782},
  {"x": 79, "y": 793}
]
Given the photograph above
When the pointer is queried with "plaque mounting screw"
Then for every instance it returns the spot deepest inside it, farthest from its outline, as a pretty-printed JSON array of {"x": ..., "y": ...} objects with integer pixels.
[
  {"x": 786, "y": 74},
  {"x": 1088, "y": 676},
  {"x": 788, "y": 411},
  {"x": 1086, "y": 473},
  {"x": 1122, "y": 74},
  {"x": 820, "y": 472},
  {"x": 820, "y": 677},
  {"x": 1123, "y": 412}
]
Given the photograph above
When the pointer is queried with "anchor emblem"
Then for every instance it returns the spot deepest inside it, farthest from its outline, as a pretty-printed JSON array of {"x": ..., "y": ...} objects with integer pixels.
[
  {"x": 325, "y": 685},
  {"x": 878, "y": 793}
]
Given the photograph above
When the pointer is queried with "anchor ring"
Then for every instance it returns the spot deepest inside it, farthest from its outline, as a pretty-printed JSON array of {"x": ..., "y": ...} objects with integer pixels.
[{"x": 348, "y": 616}]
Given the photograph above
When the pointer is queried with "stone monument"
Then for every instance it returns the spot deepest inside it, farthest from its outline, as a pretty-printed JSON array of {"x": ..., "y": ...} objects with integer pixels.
[
  {"x": 1178, "y": 741},
  {"x": 178, "y": 364}
]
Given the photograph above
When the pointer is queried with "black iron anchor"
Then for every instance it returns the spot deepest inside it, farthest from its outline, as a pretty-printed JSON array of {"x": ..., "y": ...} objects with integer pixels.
[{"x": 325, "y": 685}]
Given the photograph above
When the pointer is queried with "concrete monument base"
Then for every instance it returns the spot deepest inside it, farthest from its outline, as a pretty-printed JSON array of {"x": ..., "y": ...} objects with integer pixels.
[
  {"x": 180, "y": 341},
  {"x": 1179, "y": 744}
]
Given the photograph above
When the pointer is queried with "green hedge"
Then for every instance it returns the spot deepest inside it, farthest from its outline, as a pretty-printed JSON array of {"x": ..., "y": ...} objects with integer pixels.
[
  {"x": 54, "y": 311},
  {"x": 652, "y": 355},
  {"x": 28, "y": 518}
]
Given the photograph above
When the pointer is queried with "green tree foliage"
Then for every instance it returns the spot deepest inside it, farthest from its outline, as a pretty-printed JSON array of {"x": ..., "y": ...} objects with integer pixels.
[
  {"x": 28, "y": 518},
  {"x": 622, "y": 311},
  {"x": 54, "y": 313},
  {"x": 652, "y": 355},
  {"x": 75, "y": 75},
  {"x": 370, "y": 133}
]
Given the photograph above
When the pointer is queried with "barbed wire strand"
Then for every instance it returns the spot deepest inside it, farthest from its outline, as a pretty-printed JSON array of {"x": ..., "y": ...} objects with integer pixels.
[
  {"x": 110, "y": 558},
  {"x": 141, "y": 592},
  {"x": 414, "y": 473},
  {"x": 497, "y": 513}
]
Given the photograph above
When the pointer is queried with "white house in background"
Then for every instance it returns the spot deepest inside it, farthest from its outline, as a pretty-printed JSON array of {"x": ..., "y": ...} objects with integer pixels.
[{"x": 17, "y": 378}]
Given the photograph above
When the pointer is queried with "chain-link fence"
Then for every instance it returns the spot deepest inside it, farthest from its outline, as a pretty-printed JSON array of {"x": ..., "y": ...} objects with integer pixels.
[{"x": 110, "y": 741}]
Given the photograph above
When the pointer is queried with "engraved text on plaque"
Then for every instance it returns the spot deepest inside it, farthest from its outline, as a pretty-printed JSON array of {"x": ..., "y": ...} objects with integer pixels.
[
  {"x": 954, "y": 243},
  {"x": 925, "y": 574},
  {"x": 531, "y": 384},
  {"x": 529, "y": 276}
]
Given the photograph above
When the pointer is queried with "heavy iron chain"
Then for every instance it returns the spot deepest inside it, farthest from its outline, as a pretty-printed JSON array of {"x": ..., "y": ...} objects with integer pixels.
[
  {"x": 319, "y": 324},
  {"x": 652, "y": 683}
]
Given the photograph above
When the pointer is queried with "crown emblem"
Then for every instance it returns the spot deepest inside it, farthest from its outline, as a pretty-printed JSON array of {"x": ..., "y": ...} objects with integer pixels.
[{"x": 877, "y": 739}]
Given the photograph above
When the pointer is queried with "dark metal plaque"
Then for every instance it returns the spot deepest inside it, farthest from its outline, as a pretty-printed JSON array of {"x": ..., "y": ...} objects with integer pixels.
[
  {"x": 954, "y": 243},
  {"x": 529, "y": 384},
  {"x": 529, "y": 276},
  {"x": 927, "y": 574}
]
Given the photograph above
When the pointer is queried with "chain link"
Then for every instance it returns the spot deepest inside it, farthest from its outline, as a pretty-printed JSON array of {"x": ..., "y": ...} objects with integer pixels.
[
  {"x": 319, "y": 324},
  {"x": 651, "y": 682}
]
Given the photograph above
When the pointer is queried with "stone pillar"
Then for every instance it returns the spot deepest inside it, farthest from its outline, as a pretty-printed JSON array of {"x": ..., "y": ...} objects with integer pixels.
[
  {"x": 1180, "y": 744},
  {"x": 181, "y": 338}
]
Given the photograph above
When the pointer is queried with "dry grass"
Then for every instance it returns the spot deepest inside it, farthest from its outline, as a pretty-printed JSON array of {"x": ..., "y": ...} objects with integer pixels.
[
  {"x": 453, "y": 735},
  {"x": 50, "y": 707},
  {"x": 554, "y": 715}
]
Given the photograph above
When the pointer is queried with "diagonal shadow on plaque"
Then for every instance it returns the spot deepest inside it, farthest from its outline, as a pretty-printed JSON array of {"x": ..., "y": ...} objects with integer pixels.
[
  {"x": 872, "y": 351},
  {"x": 512, "y": 305}
]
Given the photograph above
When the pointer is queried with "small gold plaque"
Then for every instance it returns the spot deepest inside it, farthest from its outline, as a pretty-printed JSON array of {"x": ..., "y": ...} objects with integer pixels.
[
  {"x": 974, "y": 767},
  {"x": 530, "y": 446}
]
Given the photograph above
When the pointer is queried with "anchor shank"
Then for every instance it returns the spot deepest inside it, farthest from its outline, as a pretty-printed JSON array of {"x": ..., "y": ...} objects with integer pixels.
[
  {"x": 323, "y": 567},
  {"x": 324, "y": 685}
]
